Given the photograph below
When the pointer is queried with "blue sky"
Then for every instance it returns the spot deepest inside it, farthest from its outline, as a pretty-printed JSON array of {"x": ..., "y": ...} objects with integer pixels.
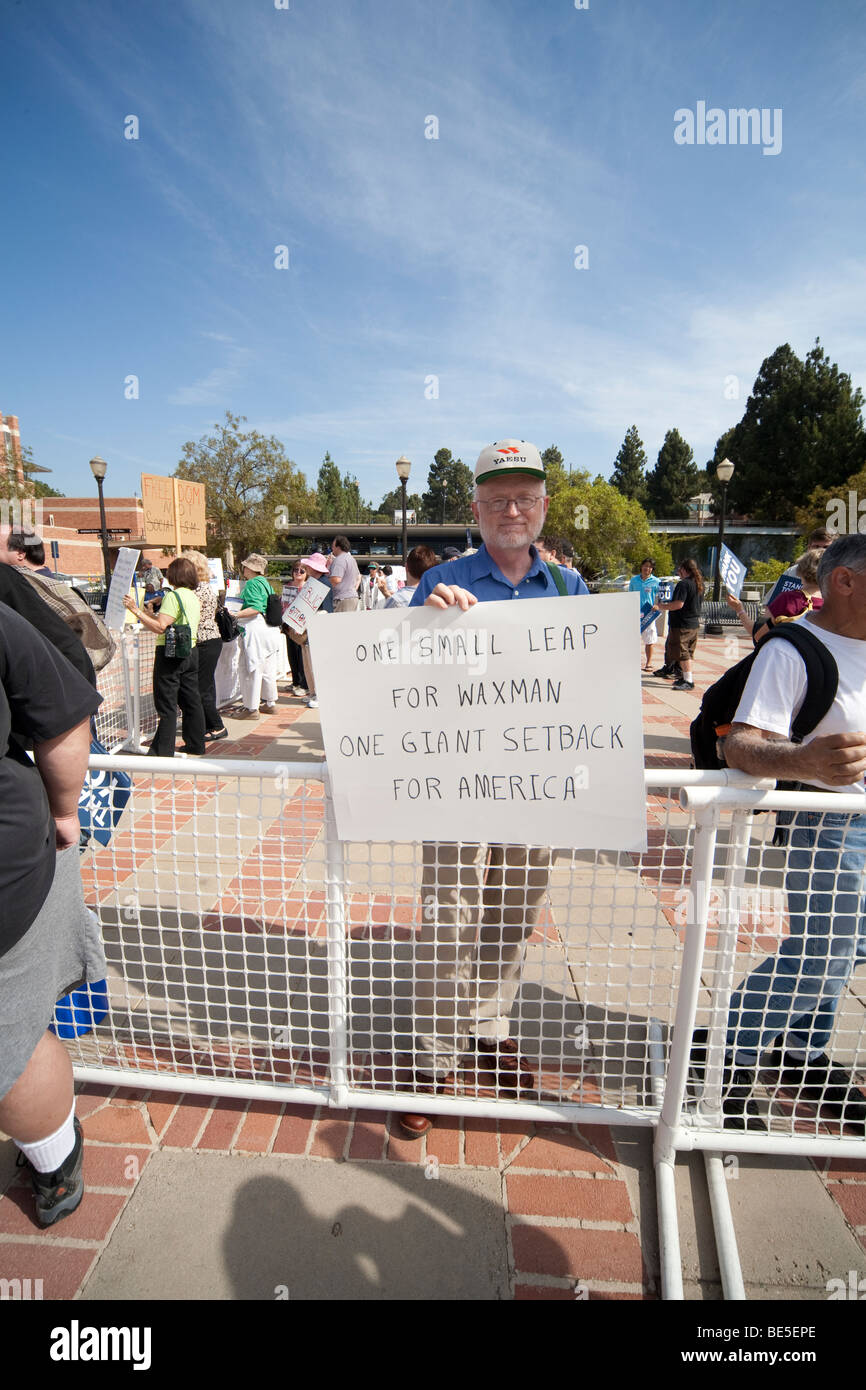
[{"x": 413, "y": 257}]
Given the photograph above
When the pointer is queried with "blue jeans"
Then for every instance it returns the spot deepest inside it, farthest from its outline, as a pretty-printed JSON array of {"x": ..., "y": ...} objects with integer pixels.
[{"x": 797, "y": 991}]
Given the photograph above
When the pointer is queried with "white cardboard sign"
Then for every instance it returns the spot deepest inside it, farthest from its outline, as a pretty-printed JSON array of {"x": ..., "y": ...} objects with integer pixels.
[
  {"x": 515, "y": 723},
  {"x": 121, "y": 581},
  {"x": 217, "y": 579},
  {"x": 309, "y": 599}
]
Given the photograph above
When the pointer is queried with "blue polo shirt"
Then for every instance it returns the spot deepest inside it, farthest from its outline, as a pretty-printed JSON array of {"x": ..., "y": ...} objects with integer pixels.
[{"x": 485, "y": 580}]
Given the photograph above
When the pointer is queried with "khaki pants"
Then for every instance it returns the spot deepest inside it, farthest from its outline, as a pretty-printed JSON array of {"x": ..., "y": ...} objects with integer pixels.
[
  {"x": 308, "y": 667},
  {"x": 480, "y": 904},
  {"x": 346, "y": 605}
]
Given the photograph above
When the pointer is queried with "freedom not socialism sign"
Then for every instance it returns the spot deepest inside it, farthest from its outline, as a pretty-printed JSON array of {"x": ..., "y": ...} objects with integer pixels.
[{"x": 512, "y": 722}]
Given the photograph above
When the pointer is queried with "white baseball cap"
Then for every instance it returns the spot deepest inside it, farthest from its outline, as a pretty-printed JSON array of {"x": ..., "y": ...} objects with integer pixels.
[{"x": 508, "y": 456}]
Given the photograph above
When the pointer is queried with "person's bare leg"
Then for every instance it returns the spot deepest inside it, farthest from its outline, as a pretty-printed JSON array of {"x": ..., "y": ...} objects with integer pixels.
[
  {"x": 42, "y": 1097},
  {"x": 648, "y": 649}
]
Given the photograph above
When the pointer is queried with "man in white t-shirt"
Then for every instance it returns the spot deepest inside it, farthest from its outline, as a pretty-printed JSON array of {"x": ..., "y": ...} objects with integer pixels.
[{"x": 791, "y": 998}]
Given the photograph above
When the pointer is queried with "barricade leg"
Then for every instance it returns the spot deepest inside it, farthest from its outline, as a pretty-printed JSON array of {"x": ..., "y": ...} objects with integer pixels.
[
  {"x": 338, "y": 972},
  {"x": 684, "y": 1022}
]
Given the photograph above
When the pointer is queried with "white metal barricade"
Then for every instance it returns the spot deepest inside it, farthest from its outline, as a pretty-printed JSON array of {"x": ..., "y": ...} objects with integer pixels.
[
  {"x": 775, "y": 931},
  {"x": 127, "y": 713},
  {"x": 251, "y": 953}
]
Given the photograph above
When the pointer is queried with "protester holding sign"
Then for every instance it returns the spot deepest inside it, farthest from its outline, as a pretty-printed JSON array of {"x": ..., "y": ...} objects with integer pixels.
[
  {"x": 791, "y": 603},
  {"x": 315, "y": 567},
  {"x": 293, "y": 648},
  {"x": 647, "y": 585},
  {"x": 175, "y": 666},
  {"x": 481, "y": 901}
]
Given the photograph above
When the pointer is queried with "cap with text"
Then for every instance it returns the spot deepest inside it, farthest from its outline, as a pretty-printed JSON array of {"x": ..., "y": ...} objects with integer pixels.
[{"x": 508, "y": 456}]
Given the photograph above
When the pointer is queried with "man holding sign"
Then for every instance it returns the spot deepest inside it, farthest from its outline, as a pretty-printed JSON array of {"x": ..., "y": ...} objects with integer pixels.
[{"x": 481, "y": 901}]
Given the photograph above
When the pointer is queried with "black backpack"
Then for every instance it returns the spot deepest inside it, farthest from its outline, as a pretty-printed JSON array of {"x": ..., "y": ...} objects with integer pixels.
[
  {"x": 274, "y": 611},
  {"x": 722, "y": 698}
]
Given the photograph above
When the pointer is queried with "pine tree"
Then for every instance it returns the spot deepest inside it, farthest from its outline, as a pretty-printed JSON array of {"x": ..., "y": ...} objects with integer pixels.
[
  {"x": 330, "y": 492},
  {"x": 555, "y": 472},
  {"x": 802, "y": 428},
  {"x": 450, "y": 485},
  {"x": 629, "y": 472},
  {"x": 674, "y": 479},
  {"x": 353, "y": 506}
]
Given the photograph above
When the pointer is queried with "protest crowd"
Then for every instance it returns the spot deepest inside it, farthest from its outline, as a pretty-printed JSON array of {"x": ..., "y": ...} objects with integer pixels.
[{"x": 224, "y": 655}]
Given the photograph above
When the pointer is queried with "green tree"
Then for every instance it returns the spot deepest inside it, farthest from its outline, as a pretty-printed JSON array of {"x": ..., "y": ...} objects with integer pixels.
[
  {"x": 252, "y": 488},
  {"x": 629, "y": 470},
  {"x": 555, "y": 471},
  {"x": 834, "y": 508},
  {"x": 674, "y": 479},
  {"x": 353, "y": 506},
  {"x": 330, "y": 492},
  {"x": 766, "y": 571},
  {"x": 392, "y": 503},
  {"x": 802, "y": 426},
  {"x": 608, "y": 531},
  {"x": 450, "y": 485}
]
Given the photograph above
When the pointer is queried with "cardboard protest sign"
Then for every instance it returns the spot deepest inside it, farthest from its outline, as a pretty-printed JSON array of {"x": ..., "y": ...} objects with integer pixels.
[
  {"x": 216, "y": 579},
  {"x": 512, "y": 722},
  {"x": 121, "y": 581},
  {"x": 309, "y": 599}
]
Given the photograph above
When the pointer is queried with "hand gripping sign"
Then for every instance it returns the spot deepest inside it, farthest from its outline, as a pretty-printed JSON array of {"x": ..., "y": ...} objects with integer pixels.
[{"x": 512, "y": 722}]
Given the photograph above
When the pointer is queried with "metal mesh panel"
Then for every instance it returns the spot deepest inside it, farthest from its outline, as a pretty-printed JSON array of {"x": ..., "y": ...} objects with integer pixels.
[
  {"x": 126, "y": 685},
  {"x": 249, "y": 949},
  {"x": 215, "y": 894},
  {"x": 781, "y": 999}
]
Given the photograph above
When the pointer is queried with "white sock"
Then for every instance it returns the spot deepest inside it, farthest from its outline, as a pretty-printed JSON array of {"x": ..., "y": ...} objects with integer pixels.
[{"x": 46, "y": 1155}]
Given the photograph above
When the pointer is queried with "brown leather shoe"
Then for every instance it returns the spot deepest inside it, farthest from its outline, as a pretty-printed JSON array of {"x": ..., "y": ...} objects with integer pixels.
[
  {"x": 501, "y": 1058},
  {"x": 414, "y": 1125}
]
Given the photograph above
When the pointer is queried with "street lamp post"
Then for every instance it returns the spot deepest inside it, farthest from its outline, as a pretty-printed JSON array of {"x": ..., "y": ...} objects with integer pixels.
[
  {"x": 403, "y": 468},
  {"x": 724, "y": 473},
  {"x": 98, "y": 468}
]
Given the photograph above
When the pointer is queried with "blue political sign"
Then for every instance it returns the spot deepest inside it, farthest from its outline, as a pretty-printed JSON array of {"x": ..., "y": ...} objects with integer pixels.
[{"x": 731, "y": 571}]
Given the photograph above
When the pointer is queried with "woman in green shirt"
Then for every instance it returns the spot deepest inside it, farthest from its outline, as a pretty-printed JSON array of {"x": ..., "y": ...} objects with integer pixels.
[
  {"x": 175, "y": 679},
  {"x": 261, "y": 643}
]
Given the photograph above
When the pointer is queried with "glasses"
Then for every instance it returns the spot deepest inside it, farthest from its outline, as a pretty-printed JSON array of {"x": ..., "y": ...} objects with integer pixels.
[{"x": 523, "y": 503}]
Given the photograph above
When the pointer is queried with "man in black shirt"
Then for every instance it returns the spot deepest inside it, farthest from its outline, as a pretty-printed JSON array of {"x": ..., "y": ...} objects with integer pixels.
[{"x": 43, "y": 920}]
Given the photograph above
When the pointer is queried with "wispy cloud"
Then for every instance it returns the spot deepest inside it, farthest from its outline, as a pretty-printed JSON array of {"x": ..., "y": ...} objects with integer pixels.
[{"x": 220, "y": 382}]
